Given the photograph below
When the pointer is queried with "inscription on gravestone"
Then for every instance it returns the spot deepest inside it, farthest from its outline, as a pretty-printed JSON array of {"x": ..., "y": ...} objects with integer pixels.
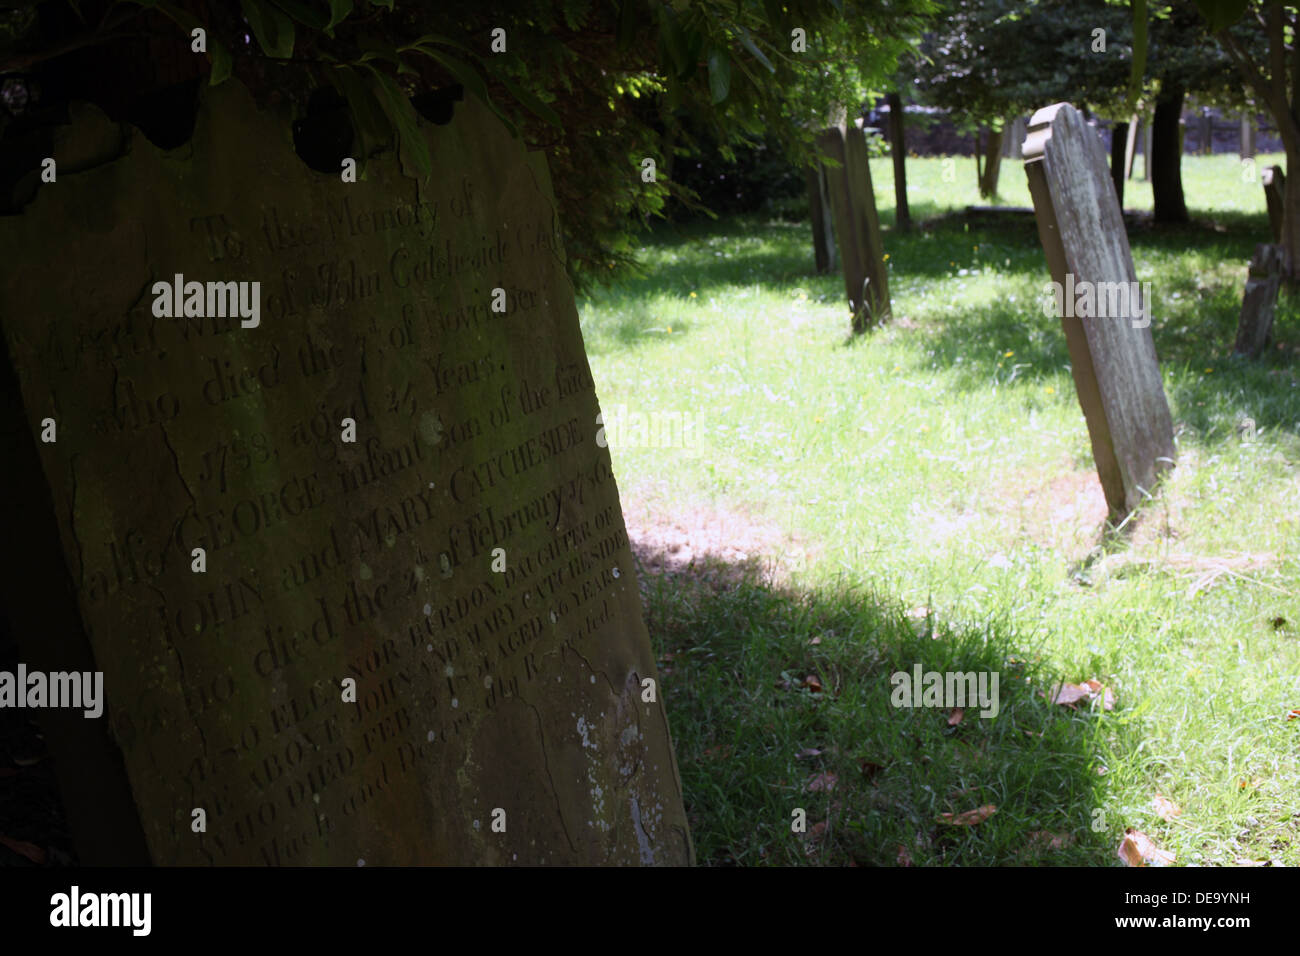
[
  {"x": 464, "y": 560},
  {"x": 1112, "y": 356}
]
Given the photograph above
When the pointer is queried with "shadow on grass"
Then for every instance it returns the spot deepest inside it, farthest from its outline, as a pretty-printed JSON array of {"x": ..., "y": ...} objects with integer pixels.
[{"x": 780, "y": 701}]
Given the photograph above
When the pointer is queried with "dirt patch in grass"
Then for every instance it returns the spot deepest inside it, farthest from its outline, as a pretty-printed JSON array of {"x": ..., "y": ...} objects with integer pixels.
[
  {"x": 717, "y": 545},
  {"x": 1063, "y": 509}
]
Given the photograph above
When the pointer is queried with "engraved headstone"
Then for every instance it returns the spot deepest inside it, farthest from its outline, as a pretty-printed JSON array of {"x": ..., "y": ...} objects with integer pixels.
[
  {"x": 1112, "y": 356},
  {"x": 329, "y": 494},
  {"x": 857, "y": 224},
  {"x": 1274, "y": 186}
]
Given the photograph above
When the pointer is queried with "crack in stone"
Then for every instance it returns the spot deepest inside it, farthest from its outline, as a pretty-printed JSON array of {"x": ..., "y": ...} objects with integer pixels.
[
  {"x": 176, "y": 461},
  {"x": 546, "y": 763}
]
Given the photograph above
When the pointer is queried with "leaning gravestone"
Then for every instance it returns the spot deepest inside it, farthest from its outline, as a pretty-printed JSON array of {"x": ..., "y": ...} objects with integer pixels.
[
  {"x": 1112, "y": 356},
  {"x": 857, "y": 224},
  {"x": 371, "y": 457},
  {"x": 820, "y": 216},
  {"x": 1274, "y": 182},
  {"x": 1258, "y": 303}
]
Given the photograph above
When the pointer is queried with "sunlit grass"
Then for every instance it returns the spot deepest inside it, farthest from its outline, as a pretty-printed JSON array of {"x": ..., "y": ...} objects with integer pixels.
[{"x": 942, "y": 462}]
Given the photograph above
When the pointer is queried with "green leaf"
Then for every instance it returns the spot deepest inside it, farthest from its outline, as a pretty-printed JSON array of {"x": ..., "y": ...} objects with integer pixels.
[
  {"x": 405, "y": 121},
  {"x": 339, "y": 10},
  {"x": 469, "y": 78},
  {"x": 1221, "y": 14},
  {"x": 440, "y": 40},
  {"x": 461, "y": 70},
  {"x": 747, "y": 42},
  {"x": 304, "y": 13},
  {"x": 534, "y": 104},
  {"x": 221, "y": 62},
  {"x": 674, "y": 41},
  {"x": 719, "y": 74},
  {"x": 368, "y": 117},
  {"x": 273, "y": 30}
]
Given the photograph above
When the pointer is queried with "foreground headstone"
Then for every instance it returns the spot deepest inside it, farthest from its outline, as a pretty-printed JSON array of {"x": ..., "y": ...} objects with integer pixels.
[
  {"x": 857, "y": 224},
  {"x": 342, "y": 537},
  {"x": 1112, "y": 356},
  {"x": 1259, "y": 300},
  {"x": 1274, "y": 182}
]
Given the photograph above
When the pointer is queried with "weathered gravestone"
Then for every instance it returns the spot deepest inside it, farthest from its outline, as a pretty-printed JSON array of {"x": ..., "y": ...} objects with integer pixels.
[
  {"x": 1105, "y": 316},
  {"x": 857, "y": 224},
  {"x": 820, "y": 215},
  {"x": 1274, "y": 185},
  {"x": 1259, "y": 300},
  {"x": 503, "y": 710}
]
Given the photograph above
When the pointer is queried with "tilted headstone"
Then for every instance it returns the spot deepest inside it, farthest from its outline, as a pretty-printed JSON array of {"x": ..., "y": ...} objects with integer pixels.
[
  {"x": 1130, "y": 145},
  {"x": 820, "y": 215},
  {"x": 1259, "y": 300},
  {"x": 1104, "y": 313},
  {"x": 857, "y": 224},
  {"x": 343, "y": 537},
  {"x": 1274, "y": 192}
]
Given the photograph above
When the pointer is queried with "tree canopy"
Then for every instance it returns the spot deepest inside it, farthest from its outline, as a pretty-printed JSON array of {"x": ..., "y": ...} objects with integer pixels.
[{"x": 598, "y": 84}]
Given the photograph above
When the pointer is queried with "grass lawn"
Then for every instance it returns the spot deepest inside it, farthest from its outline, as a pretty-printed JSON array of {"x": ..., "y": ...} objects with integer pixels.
[{"x": 925, "y": 494}]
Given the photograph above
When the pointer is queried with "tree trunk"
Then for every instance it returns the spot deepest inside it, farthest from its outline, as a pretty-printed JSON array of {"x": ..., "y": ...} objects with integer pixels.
[
  {"x": 988, "y": 175},
  {"x": 1167, "y": 157},
  {"x": 1118, "y": 153},
  {"x": 898, "y": 146},
  {"x": 1291, "y": 224}
]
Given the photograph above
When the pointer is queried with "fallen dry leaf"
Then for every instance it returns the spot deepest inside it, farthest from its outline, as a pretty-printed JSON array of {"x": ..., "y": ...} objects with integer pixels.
[
  {"x": 813, "y": 683},
  {"x": 720, "y": 752},
  {"x": 23, "y": 848},
  {"x": 955, "y": 715},
  {"x": 1137, "y": 849},
  {"x": 1251, "y": 784},
  {"x": 1293, "y": 714},
  {"x": 1070, "y": 694},
  {"x": 1243, "y": 861},
  {"x": 809, "y": 752},
  {"x": 1278, "y": 623},
  {"x": 822, "y": 783},
  {"x": 969, "y": 818},
  {"x": 918, "y": 613},
  {"x": 1166, "y": 809},
  {"x": 869, "y": 768},
  {"x": 904, "y": 858},
  {"x": 816, "y": 640}
]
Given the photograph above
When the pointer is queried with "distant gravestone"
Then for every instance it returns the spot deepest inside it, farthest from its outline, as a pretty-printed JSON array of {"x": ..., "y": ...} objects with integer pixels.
[
  {"x": 857, "y": 224},
  {"x": 1104, "y": 313},
  {"x": 1246, "y": 147},
  {"x": 1274, "y": 192},
  {"x": 1259, "y": 300},
  {"x": 820, "y": 216},
  {"x": 341, "y": 534},
  {"x": 1130, "y": 145}
]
